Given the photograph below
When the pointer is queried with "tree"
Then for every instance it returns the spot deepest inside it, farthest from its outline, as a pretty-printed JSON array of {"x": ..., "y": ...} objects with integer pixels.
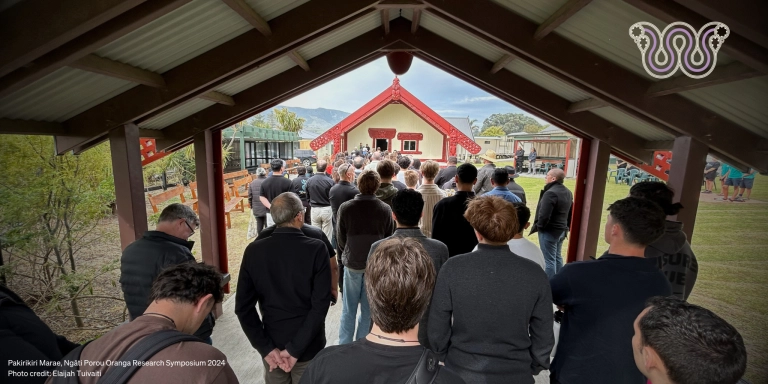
[
  {"x": 259, "y": 121},
  {"x": 510, "y": 122},
  {"x": 473, "y": 126},
  {"x": 493, "y": 132},
  {"x": 530, "y": 128},
  {"x": 50, "y": 210},
  {"x": 288, "y": 121}
]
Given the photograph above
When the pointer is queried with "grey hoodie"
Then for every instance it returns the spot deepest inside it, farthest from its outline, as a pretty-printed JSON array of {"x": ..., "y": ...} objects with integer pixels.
[
  {"x": 386, "y": 192},
  {"x": 675, "y": 258}
]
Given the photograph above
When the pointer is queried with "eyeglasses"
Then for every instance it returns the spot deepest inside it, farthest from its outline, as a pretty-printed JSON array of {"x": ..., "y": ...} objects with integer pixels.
[
  {"x": 190, "y": 228},
  {"x": 303, "y": 210}
]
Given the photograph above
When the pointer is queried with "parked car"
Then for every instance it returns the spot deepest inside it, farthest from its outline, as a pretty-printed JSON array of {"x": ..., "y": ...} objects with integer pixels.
[{"x": 306, "y": 156}]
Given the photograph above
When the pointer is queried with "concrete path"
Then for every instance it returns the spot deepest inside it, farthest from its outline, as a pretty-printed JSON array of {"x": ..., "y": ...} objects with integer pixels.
[{"x": 229, "y": 338}]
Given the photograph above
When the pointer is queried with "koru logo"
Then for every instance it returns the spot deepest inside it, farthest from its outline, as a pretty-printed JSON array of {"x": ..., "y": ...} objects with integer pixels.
[{"x": 679, "y": 46}]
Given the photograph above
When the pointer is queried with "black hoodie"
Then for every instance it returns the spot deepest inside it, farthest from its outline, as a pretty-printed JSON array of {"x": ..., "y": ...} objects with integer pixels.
[{"x": 673, "y": 255}]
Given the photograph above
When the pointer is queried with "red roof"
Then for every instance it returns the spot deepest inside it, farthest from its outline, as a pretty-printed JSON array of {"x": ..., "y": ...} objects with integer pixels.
[{"x": 396, "y": 94}]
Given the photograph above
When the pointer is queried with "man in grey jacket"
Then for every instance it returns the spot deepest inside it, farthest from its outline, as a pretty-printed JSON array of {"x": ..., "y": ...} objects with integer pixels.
[
  {"x": 407, "y": 206},
  {"x": 485, "y": 174}
]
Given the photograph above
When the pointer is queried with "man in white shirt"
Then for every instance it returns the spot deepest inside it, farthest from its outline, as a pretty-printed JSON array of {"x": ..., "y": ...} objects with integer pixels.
[{"x": 521, "y": 246}]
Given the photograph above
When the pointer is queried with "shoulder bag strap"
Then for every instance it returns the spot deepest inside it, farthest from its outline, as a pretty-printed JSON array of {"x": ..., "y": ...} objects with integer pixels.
[
  {"x": 69, "y": 367},
  {"x": 143, "y": 351},
  {"x": 426, "y": 369}
]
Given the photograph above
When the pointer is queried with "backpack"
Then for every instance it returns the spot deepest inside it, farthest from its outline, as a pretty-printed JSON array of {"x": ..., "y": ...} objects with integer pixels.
[{"x": 119, "y": 374}]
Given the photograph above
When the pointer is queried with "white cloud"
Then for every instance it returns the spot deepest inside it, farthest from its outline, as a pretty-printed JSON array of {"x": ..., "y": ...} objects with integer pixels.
[{"x": 467, "y": 100}]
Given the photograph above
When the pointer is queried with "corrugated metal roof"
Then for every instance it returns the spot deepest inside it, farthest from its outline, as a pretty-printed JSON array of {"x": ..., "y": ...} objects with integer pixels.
[
  {"x": 342, "y": 35},
  {"x": 632, "y": 124},
  {"x": 254, "y": 77},
  {"x": 547, "y": 81},
  {"x": 173, "y": 115},
  {"x": 743, "y": 102},
  {"x": 269, "y": 9},
  {"x": 534, "y": 10},
  {"x": 61, "y": 95},
  {"x": 458, "y": 36},
  {"x": 462, "y": 124}
]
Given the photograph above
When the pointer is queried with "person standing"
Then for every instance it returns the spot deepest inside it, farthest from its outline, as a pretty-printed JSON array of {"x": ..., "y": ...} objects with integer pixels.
[
  {"x": 449, "y": 225},
  {"x": 513, "y": 187},
  {"x": 521, "y": 246},
  {"x": 403, "y": 163},
  {"x": 339, "y": 194},
  {"x": 491, "y": 314},
  {"x": 358, "y": 163},
  {"x": 318, "y": 188},
  {"x": 299, "y": 187},
  {"x": 287, "y": 274},
  {"x": 485, "y": 173},
  {"x": 448, "y": 173},
  {"x": 601, "y": 299},
  {"x": 431, "y": 193},
  {"x": 500, "y": 180},
  {"x": 144, "y": 259},
  {"x": 386, "y": 170},
  {"x": 407, "y": 208},
  {"x": 254, "y": 191},
  {"x": 361, "y": 222},
  {"x": 532, "y": 161},
  {"x": 735, "y": 177},
  {"x": 519, "y": 159},
  {"x": 273, "y": 186},
  {"x": 710, "y": 173},
  {"x": 375, "y": 158},
  {"x": 553, "y": 218}
]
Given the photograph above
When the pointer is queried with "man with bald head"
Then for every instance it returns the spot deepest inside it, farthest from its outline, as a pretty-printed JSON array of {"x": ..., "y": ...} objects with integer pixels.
[
  {"x": 375, "y": 158},
  {"x": 553, "y": 219}
]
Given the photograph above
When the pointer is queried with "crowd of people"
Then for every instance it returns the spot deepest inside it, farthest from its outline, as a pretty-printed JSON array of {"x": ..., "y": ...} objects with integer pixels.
[
  {"x": 730, "y": 176},
  {"x": 436, "y": 280}
]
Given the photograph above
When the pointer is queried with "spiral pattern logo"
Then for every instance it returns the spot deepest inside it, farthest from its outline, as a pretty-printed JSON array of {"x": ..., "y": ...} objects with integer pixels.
[{"x": 679, "y": 46}]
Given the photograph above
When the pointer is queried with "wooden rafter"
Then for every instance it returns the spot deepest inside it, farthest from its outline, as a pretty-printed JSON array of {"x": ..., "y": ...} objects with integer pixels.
[
  {"x": 586, "y": 105},
  {"x": 215, "y": 67},
  {"x": 747, "y": 18},
  {"x": 33, "y": 28},
  {"x": 103, "y": 66},
  {"x": 30, "y": 127},
  {"x": 501, "y": 63},
  {"x": 415, "y": 20},
  {"x": 89, "y": 42},
  {"x": 736, "y": 46},
  {"x": 660, "y": 145},
  {"x": 720, "y": 75},
  {"x": 559, "y": 17},
  {"x": 385, "y": 20},
  {"x": 218, "y": 97},
  {"x": 252, "y": 17},
  {"x": 588, "y": 71},
  {"x": 401, "y": 4},
  {"x": 531, "y": 97},
  {"x": 296, "y": 57},
  {"x": 326, "y": 66}
]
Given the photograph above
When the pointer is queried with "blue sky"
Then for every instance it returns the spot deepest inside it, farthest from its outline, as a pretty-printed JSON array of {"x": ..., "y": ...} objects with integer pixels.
[{"x": 447, "y": 95}]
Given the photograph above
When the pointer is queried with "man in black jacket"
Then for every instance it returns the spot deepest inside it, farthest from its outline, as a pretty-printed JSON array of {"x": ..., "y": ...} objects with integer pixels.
[
  {"x": 448, "y": 173},
  {"x": 553, "y": 219},
  {"x": 275, "y": 184},
  {"x": 287, "y": 274},
  {"x": 340, "y": 193},
  {"x": 513, "y": 187},
  {"x": 145, "y": 258},
  {"x": 299, "y": 187},
  {"x": 318, "y": 187},
  {"x": 448, "y": 223}
]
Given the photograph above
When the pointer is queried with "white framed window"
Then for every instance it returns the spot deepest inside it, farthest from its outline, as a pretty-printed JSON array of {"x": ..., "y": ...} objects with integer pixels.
[
  {"x": 409, "y": 145},
  {"x": 487, "y": 141}
]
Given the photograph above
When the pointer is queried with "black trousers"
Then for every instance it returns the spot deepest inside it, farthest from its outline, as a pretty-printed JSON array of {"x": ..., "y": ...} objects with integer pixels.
[
  {"x": 308, "y": 215},
  {"x": 519, "y": 164},
  {"x": 261, "y": 223}
]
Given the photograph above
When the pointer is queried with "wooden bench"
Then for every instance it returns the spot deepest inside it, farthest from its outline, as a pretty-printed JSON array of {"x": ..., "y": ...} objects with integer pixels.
[
  {"x": 245, "y": 181},
  {"x": 235, "y": 175},
  {"x": 155, "y": 200},
  {"x": 230, "y": 202}
]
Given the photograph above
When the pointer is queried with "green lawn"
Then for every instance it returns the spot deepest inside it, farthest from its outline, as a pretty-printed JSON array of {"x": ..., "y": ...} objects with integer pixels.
[{"x": 730, "y": 242}]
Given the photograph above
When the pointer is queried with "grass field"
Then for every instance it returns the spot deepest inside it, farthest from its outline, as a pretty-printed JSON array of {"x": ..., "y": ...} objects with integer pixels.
[{"x": 731, "y": 244}]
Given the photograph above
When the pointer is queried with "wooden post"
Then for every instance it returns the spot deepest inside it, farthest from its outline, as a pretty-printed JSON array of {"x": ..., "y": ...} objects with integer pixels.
[
  {"x": 124, "y": 144},
  {"x": 688, "y": 160},
  {"x": 591, "y": 206},
  {"x": 210, "y": 201}
]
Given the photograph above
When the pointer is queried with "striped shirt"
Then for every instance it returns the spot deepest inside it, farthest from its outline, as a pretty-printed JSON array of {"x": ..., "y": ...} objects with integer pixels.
[{"x": 431, "y": 194}]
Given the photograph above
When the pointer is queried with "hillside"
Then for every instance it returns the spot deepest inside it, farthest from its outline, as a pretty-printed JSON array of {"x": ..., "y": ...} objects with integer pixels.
[{"x": 318, "y": 120}]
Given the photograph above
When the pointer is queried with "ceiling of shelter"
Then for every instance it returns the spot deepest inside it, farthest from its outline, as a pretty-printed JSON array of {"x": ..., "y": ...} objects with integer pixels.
[{"x": 178, "y": 67}]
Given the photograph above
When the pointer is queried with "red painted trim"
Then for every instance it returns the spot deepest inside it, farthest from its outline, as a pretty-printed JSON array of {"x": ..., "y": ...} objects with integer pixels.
[
  {"x": 381, "y": 133},
  {"x": 567, "y": 156},
  {"x": 578, "y": 199},
  {"x": 410, "y": 136}
]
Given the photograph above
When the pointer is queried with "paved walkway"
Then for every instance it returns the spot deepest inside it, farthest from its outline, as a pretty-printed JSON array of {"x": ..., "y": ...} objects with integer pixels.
[{"x": 229, "y": 338}]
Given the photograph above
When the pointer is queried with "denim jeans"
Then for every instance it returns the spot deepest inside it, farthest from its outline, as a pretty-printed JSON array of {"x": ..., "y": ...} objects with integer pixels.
[
  {"x": 551, "y": 244},
  {"x": 354, "y": 294}
]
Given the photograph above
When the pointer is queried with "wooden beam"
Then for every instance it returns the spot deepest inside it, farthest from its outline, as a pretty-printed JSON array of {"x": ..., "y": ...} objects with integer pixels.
[
  {"x": 151, "y": 133},
  {"x": 215, "y": 67},
  {"x": 592, "y": 200},
  {"x": 660, "y": 145},
  {"x": 762, "y": 146},
  {"x": 272, "y": 91},
  {"x": 246, "y": 12},
  {"x": 523, "y": 93},
  {"x": 124, "y": 145},
  {"x": 296, "y": 57},
  {"x": 586, "y": 105},
  {"x": 89, "y": 42},
  {"x": 747, "y": 18},
  {"x": 497, "y": 66},
  {"x": 30, "y": 127},
  {"x": 736, "y": 46},
  {"x": 690, "y": 157},
  {"x": 385, "y": 20},
  {"x": 559, "y": 17},
  {"x": 398, "y": 46},
  {"x": 401, "y": 4},
  {"x": 588, "y": 71},
  {"x": 218, "y": 97},
  {"x": 107, "y": 67},
  {"x": 415, "y": 20},
  {"x": 732, "y": 72},
  {"x": 33, "y": 28}
]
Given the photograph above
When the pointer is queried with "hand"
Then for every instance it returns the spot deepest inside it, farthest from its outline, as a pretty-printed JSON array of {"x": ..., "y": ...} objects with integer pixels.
[
  {"x": 288, "y": 361},
  {"x": 274, "y": 359},
  {"x": 334, "y": 296},
  {"x": 561, "y": 308}
]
